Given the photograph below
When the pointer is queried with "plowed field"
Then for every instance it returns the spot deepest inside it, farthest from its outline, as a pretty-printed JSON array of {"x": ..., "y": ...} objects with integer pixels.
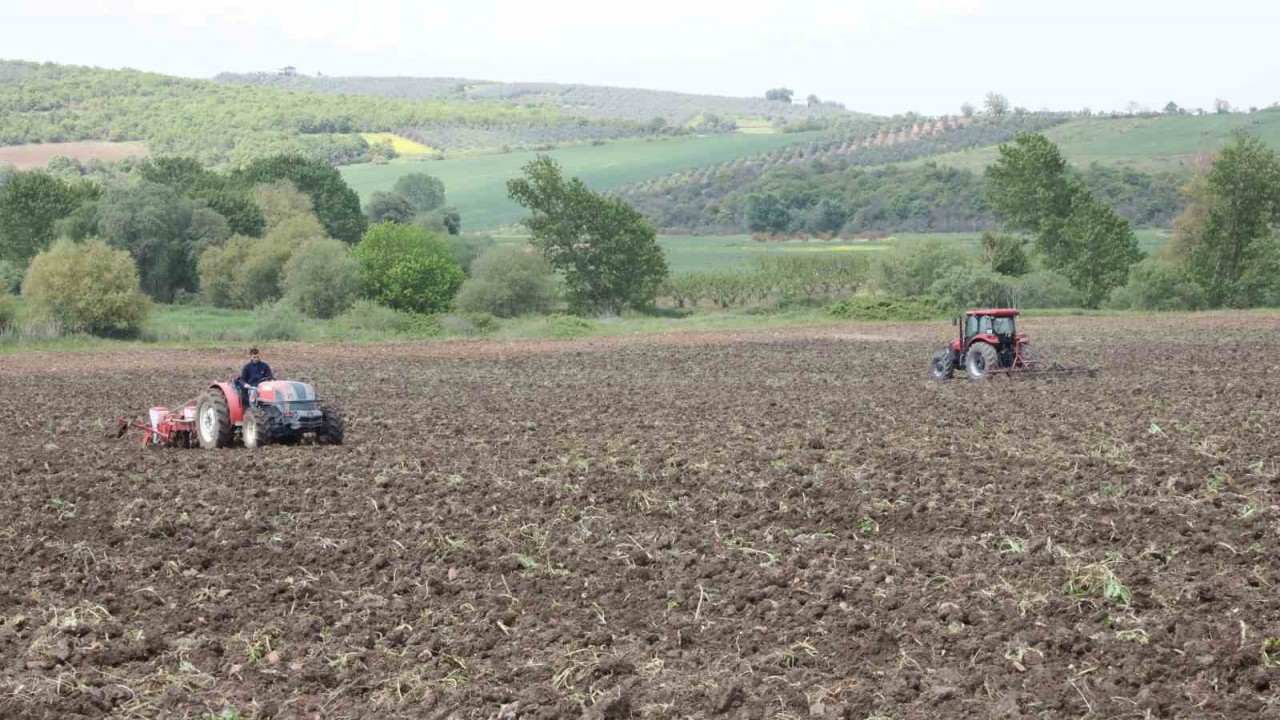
[{"x": 755, "y": 525}]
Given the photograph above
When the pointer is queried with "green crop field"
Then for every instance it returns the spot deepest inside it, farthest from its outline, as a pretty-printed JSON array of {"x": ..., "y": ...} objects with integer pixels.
[
  {"x": 476, "y": 185},
  {"x": 1145, "y": 143},
  {"x": 718, "y": 253}
]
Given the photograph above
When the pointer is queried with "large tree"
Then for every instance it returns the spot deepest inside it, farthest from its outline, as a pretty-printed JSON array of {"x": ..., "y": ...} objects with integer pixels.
[
  {"x": 30, "y": 204},
  {"x": 607, "y": 251},
  {"x": 192, "y": 180},
  {"x": 335, "y": 203},
  {"x": 1033, "y": 191},
  {"x": 1240, "y": 217},
  {"x": 424, "y": 191}
]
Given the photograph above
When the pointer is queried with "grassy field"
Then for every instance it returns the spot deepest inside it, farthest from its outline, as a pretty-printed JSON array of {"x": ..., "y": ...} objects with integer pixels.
[
  {"x": 713, "y": 253},
  {"x": 1150, "y": 144},
  {"x": 477, "y": 185}
]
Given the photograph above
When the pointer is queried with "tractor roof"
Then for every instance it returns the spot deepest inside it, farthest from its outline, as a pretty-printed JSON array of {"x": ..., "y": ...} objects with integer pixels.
[{"x": 996, "y": 312}]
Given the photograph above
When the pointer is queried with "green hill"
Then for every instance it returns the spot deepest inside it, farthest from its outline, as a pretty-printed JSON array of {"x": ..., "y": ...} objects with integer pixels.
[
  {"x": 593, "y": 101},
  {"x": 1149, "y": 144},
  {"x": 477, "y": 185},
  {"x": 222, "y": 123}
]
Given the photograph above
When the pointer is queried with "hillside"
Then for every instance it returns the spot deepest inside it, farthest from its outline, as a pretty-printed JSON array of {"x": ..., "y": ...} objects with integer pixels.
[
  {"x": 477, "y": 185},
  {"x": 592, "y": 101},
  {"x": 1149, "y": 144},
  {"x": 224, "y": 123}
]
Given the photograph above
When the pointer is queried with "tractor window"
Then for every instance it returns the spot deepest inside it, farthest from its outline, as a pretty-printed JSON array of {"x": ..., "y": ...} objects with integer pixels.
[
  {"x": 1003, "y": 326},
  {"x": 984, "y": 325},
  {"x": 970, "y": 326}
]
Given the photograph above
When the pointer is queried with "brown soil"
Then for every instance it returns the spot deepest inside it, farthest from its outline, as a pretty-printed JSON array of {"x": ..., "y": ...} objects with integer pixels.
[
  {"x": 38, "y": 155},
  {"x": 752, "y": 525}
]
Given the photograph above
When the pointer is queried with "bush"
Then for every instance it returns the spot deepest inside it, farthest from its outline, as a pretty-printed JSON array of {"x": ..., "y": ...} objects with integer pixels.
[
  {"x": 966, "y": 287},
  {"x": 279, "y": 321},
  {"x": 911, "y": 269},
  {"x": 887, "y": 308},
  {"x": 1155, "y": 285},
  {"x": 567, "y": 326},
  {"x": 369, "y": 316},
  {"x": 8, "y": 312},
  {"x": 321, "y": 279},
  {"x": 407, "y": 268},
  {"x": 508, "y": 281},
  {"x": 87, "y": 287},
  {"x": 466, "y": 248},
  {"x": 471, "y": 323},
  {"x": 1045, "y": 289},
  {"x": 10, "y": 277},
  {"x": 220, "y": 268}
]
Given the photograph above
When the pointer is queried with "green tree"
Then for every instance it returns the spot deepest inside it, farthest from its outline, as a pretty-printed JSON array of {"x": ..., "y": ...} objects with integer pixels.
[
  {"x": 1079, "y": 236},
  {"x": 164, "y": 232},
  {"x": 766, "y": 212},
  {"x": 407, "y": 268},
  {"x": 280, "y": 201},
  {"x": 508, "y": 281},
  {"x": 425, "y": 192},
  {"x": 190, "y": 179},
  {"x": 321, "y": 279},
  {"x": 608, "y": 254},
  {"x": 30, "y": 204},
  {"x": 1005, "y": 253},
  {"x": 779, "y": 95},
  {"x": 220, "y": 269},
  {"x": 1243, "y": 207},
  {"x": 88, "y": 287},
  {"x": 259, "y": 278},
  {"x": 997, "y": 105},
  {"x": 336, "y": 204},
  {"x": 390, "y": 207}
]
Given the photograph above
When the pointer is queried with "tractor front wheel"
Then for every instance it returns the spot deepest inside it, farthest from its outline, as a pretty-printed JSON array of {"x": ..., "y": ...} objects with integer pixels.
[
  {"x": 213, "y": 420},
  {"x": 333, "y": 428},
  {"x": 256, "y": 431},
  {"x": 982, "y": 359},
  {"x": 942, "y": 365}
]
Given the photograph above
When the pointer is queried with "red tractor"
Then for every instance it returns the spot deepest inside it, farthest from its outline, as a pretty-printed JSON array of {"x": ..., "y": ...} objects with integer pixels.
[
  {"x": 276, "y": 411},
  {"x": 989, "y": 342}
]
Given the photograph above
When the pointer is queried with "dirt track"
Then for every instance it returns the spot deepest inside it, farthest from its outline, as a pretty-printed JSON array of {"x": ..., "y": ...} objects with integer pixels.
[{"x": 758, "y": 525}]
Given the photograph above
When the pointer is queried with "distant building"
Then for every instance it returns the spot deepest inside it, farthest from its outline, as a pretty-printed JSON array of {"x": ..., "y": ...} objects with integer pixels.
[{"x": 289, "y": 71}]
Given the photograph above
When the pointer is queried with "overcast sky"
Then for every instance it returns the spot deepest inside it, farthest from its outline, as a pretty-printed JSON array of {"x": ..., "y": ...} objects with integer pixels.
[{"x": 887, "y": 56}]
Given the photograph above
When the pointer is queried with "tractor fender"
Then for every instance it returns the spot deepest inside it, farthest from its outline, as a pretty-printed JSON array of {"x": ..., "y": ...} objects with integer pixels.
[
  {"x": 992, "y": 340},
  {"x": 233, "y": 401},
  {"x": 955, "y": 345}
]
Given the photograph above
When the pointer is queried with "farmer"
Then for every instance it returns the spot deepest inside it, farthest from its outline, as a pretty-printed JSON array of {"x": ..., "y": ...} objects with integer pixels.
[{"x": 254, "y": 372}]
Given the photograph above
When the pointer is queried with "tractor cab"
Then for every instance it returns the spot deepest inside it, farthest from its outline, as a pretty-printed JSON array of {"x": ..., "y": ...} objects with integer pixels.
[{"x": 997, "y": 327}]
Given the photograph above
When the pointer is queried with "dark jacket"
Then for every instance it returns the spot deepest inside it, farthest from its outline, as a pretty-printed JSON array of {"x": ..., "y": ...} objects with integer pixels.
[{"x": 255, "y": 372}]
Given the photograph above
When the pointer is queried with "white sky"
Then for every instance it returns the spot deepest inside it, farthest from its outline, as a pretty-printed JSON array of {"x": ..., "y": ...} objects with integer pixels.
[{"x": 882, "y": 56}]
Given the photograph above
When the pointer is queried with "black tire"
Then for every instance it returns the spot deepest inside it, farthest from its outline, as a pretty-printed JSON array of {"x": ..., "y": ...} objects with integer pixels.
[
  {"x": 256, "y": 431},
  {"x": 334, "y": 429},
  {"x": 213, "y": 420},
  {"x": 942, "y": 365},
  {"x": 981, "y": 360}
]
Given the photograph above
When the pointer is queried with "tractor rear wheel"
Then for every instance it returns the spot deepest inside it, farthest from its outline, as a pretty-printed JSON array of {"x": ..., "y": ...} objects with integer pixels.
[
  {"x": 942, "y": 365},
  {"x": 213, "y": 420},
  {"x": 256, "y": 431},
  {"x": 333, "y": 429},
  {"x": 982, "y": 359}
]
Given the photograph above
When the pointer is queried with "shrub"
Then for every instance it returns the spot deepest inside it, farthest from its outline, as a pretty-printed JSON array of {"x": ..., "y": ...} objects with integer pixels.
[
  {"x": 508, "y": 281},
  {"x": 8, "y": 311},
  {"x": 1154, "y": 285},
  {"x": 389, "y": 207},
  {"x": 887, "y": 308},
  {"x": 567, "y": 326},
  {"x": 1045, "y": 289},
  {"x": 911, "y": 269},
  {"x": 965, "y": 287},
  {"x": 87, "y": 287},
  {"x": 10, "y": 277},
  {"x": 220, "y": 268},
  {"x": 279, "y": 321},
  {"x": 407, "y": 268},
  {"x": 466, "y": 248},
  {"x": 471, "y": 323},
  {"x": 321, "y": 279},
  {"x": 369, "y": 316},
  {"x": 425, "y": 192}
]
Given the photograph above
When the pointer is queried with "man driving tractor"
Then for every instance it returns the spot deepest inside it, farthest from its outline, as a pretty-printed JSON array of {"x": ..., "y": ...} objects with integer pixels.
[{"x": 254, "y": 372}]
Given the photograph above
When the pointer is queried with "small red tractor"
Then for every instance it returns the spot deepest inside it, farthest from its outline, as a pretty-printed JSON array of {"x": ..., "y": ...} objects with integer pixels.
[
  {"x": 276, "y": 411},
  {"x": 990, "y": 344}
]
